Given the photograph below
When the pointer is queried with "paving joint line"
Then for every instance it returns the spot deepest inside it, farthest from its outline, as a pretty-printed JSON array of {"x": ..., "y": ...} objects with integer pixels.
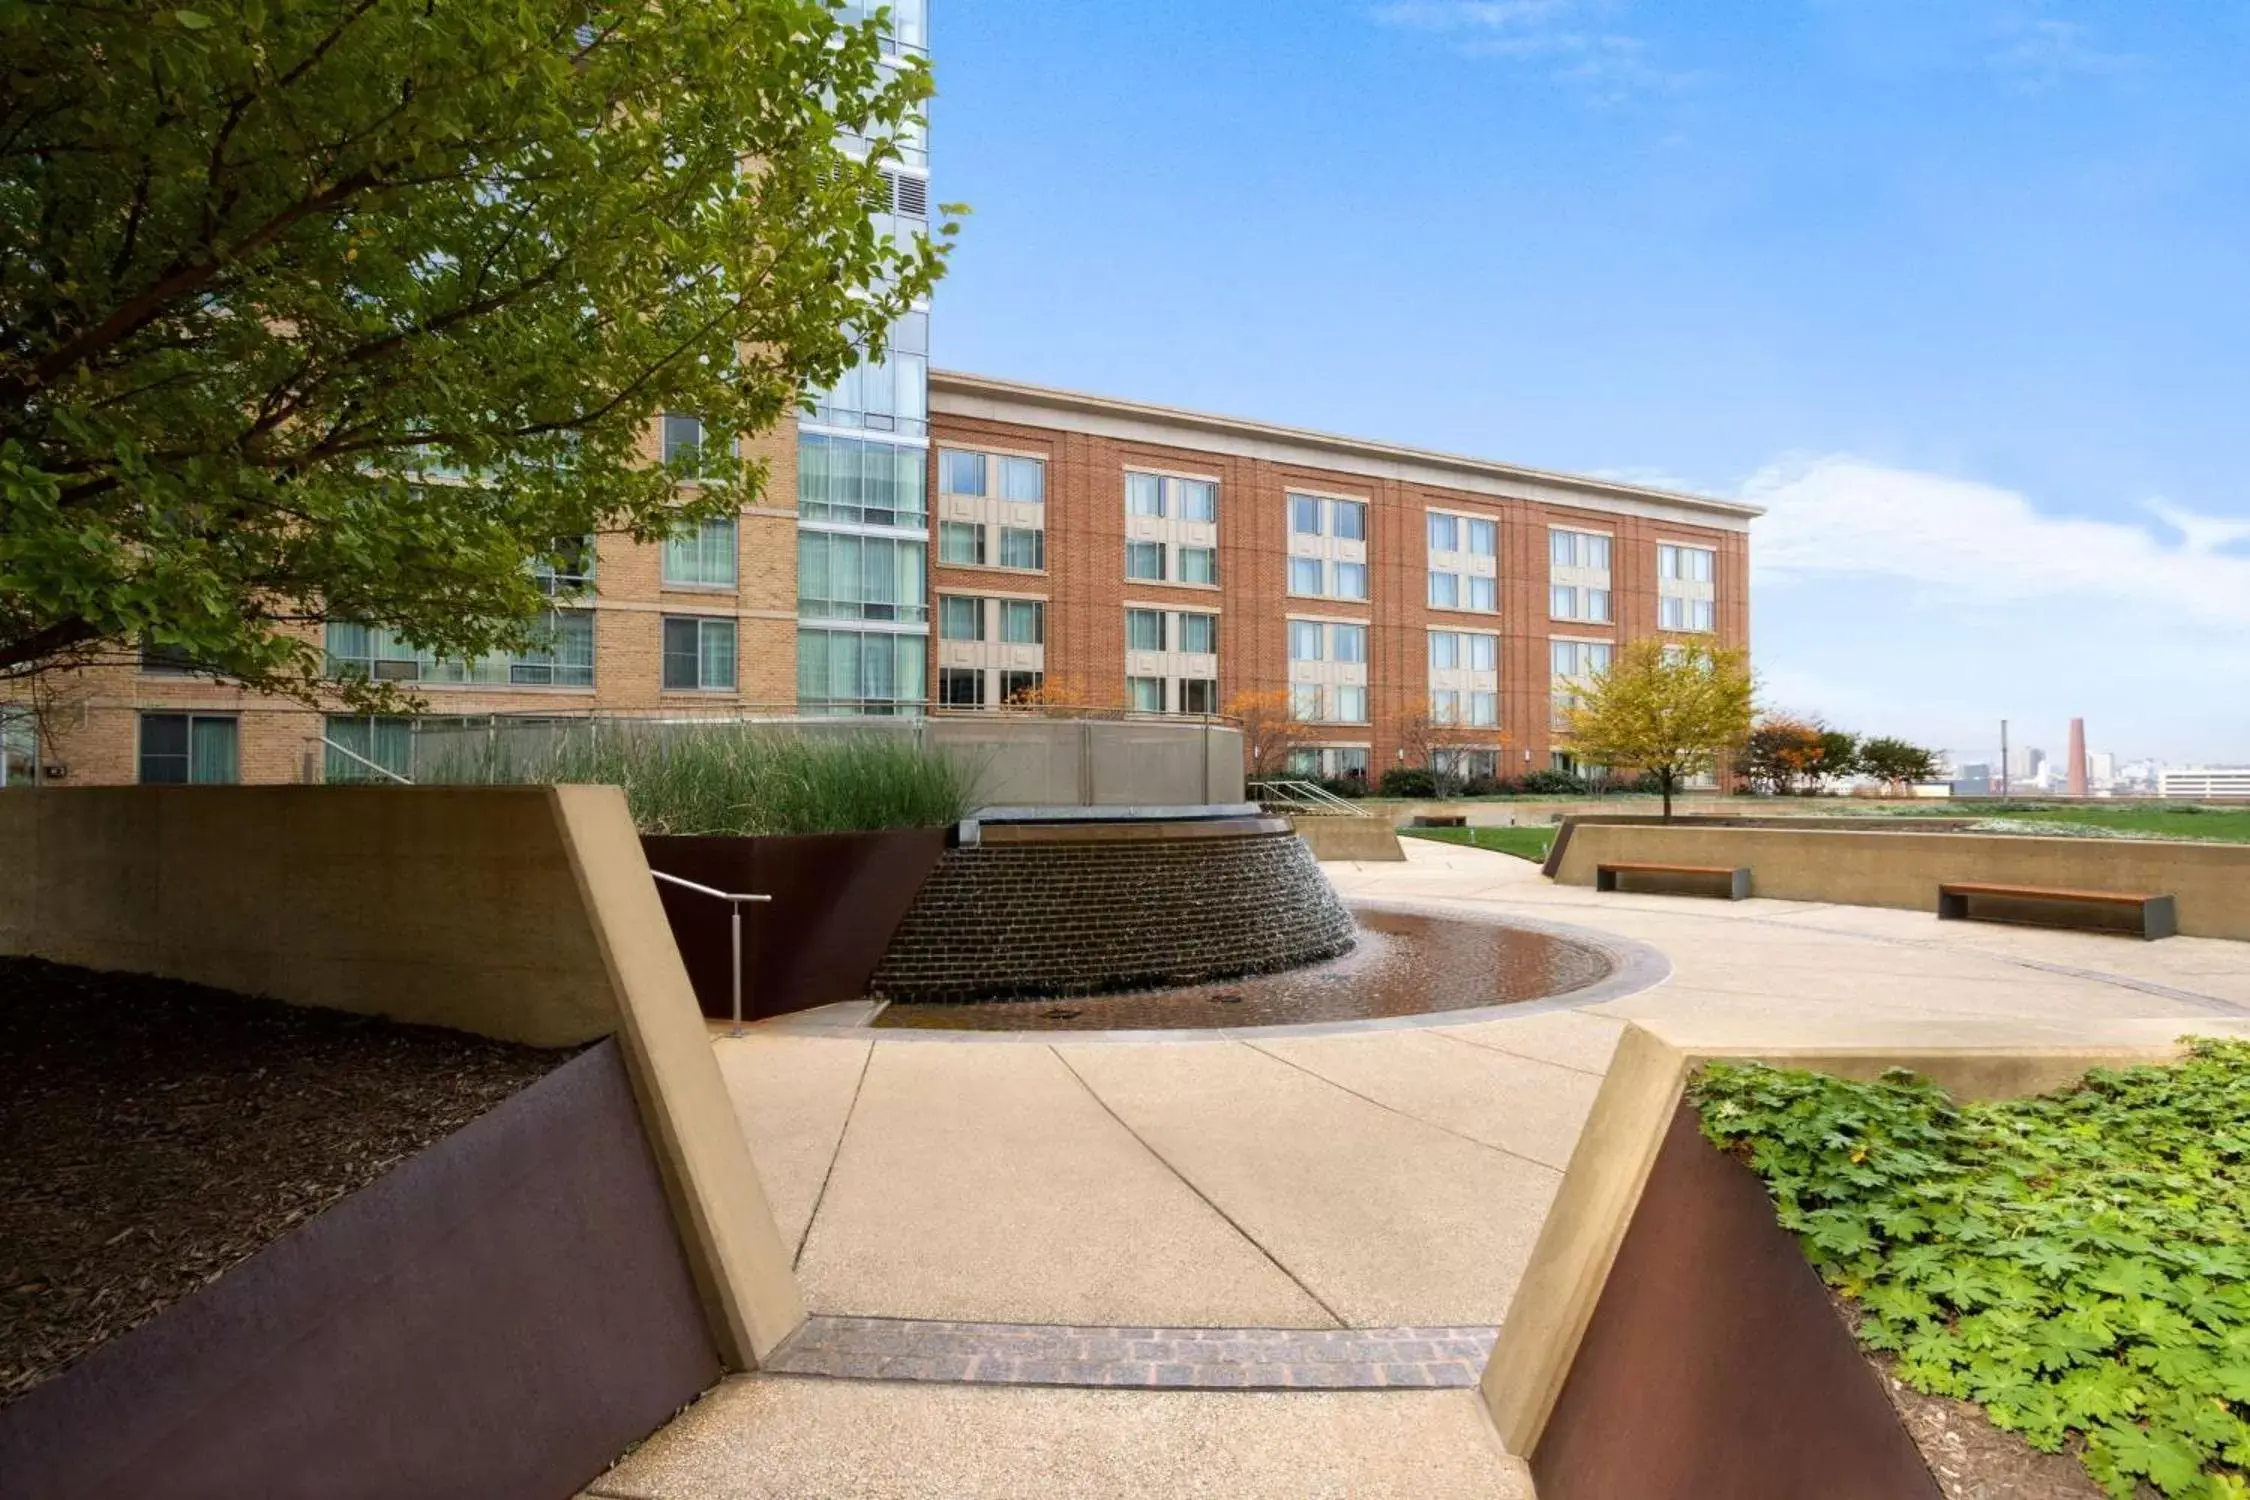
[
  {"x": 1317, "y": 1300},
  {"x": 1402, "y": 1114},
  {"x": 1454, "y": 1036},
  {"x": 851, "y": 1110}
]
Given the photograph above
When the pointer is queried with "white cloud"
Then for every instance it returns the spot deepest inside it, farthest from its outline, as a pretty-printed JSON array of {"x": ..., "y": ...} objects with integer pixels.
[
  {"x": 1983, "y": 545},
  {"x": 2043, "y": 51},
  {"x": 1567, "y": 38}
]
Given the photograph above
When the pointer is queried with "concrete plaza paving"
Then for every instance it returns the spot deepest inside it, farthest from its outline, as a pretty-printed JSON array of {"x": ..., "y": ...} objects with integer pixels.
[{"x": 1373, "y": 1179}]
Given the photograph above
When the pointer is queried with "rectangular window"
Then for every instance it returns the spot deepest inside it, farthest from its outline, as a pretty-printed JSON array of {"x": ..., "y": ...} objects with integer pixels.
[
  {"x": 1199, "y": 500},
  {"x": 1685, "y": 564},
  {"x": 1351, "y": 580},
  {"x": 861, "y": 482},
  {"x": 1023, "y": 480},
  {"x": 960, "y": 473},
  {"x": 961, "y": 687},
  {"x": 854, "y": 671},
  {"x": 1562, "y": 602},
  {"x": 1145, "y": 694},
  {"x": 562, "y": 657},
  {"x": 1304, "y": 640},
  {"x": 683, "y": 441},
  {"x": 1351, "y": 520},
  {"x": 1304, "y": 701},
  {"x": 1199, "y": 695},
  {"x": 567, "y": 570},
  {"x": 1347, "y": 642},
  {"x": 1351, "y": 705},
  {"x": 1199, "y": 565},
  {"x": 1484, "y": 709},
  {"x": 702, "y": 556},
  {"x": 1580, "y": 658},
  {"x": 1484, "y": 653},
  {"x": 1144, "y": 630},
  {"x": 1445, "y": 706},
  {"x": 1144, "y": 495},
  {"x": 1701, "y": 615},
  {"x": 1445, "y": 533},
  {"x": 1020, "y": 687},
  {"x": 1445, "y": 591},
  {"x": 1484, "y": 595},
  {"x": 1199, "y": 634},
  {"x": 1023, "y": 622},
  {"x": 1144, "y": 560},
  {"x": 1304, "y": 515},
  {"x": 1597, "y": 605},
  {"x": 698, "y": 655},
  {"x": 351, "y": 742},
  {"x": 841, "y": 577},
  {"x": 189, "y": 749},
  {"x": 1021, "y": 548},
  {"x": 1484, "y": 538},
  {"x": 960, "y": 619},
  {"x": 166, "y": 661},
  {"x": 1304, "y": 575},
  {"x": 960, "y": 544},
  {"x": 1445, "y": 651},
  {"x": 1671, "y": 613},
  {"x": 1579, "y": 549}
]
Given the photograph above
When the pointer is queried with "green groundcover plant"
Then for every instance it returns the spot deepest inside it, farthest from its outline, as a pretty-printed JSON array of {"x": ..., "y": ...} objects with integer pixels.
[{"x": 2078, "y": 1264}]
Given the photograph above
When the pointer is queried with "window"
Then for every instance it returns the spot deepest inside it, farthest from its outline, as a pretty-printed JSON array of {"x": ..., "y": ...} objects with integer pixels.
[
  {"x": 1484, "y": 595},
  {"x": 960, "y": 619},
  {"x": 1578, "y": 549},
  {"x": 1023, "y": 480},
  {"x": 861, "y": 577},
  {"x": 1568, "y": 602},
  {"x": 698, "y": 655},
  {"x": 1304, "y": 575},
  {"x": 960, "y": 473},
  {"x": 568, "y": 569},
  {"x": 1199, "y": 500},
  {"x": 1445, "y": 706},
  {"x": 1144, "y": 495},
  {"x": 1484, "y": 538},
  {"x": 1304, "y": 515},
  {"x": 1304, "y": 701},
  {"x": 1199, "y": 633},
  {"x": 1484, "y": 653},
  {"x": 184, "y": 749},
  {"x": 1305, "y": 640},
  {"x": 1144, "y": 630},
  {"x": 1199, "y": 695},
  {"x": 960, "y": 544},
  {"x": 1347, "y": 642},
  {"x": 1445, "y": 591},
  {"x": 1351, "y": 705},
  {"x": 683, "y": 442},
  {"x": 562, "y": 657},
  {"x": 1484, "y": 710},
  {"x": 353, "y": 741},
  {"x": 166, "y": 661},
  {"x": 1445, "y": 533},
  {"x": 1677, "y": 613},
  {"x": 1145, "y": 694},
  {"x": 701, "y": 556},
  {"x": 1685, "y": 564},
  {"x": 1350, "y": 519},
  {"x": 1445, "y": 651},
  {"x": 1023, "y": 622},
  {"x": 859, "y": 482},
  {"x": 1350, "y": 580},
  {"x": 961, "y": 687},
  {"x": 1580, "y": 658},
  {"x": 1020, "y": 687},
  {"x": 852, "y": 671},
  {"x": 1199, "y": 565},
  {"x": 1144, "y": 560},
  {"x": 1022, "y": 548},
  {"x": 890, "y": 393}
]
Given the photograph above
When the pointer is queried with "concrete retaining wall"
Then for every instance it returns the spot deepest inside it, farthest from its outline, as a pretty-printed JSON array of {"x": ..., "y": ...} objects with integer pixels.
[
  {"x": 1882, "y": 868},
  {"x": 1074, "y": 917},
  {"x": 1350, "y": 838}
]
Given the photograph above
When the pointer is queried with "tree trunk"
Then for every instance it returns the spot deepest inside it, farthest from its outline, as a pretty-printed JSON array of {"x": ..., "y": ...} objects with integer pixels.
[{"x": 1664, "y": 783}]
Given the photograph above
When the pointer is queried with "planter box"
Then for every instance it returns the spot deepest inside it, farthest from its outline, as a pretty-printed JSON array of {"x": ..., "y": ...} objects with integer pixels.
[
  {"x": 498, "y": 1316},
  {"x": 837, "y": 900}
]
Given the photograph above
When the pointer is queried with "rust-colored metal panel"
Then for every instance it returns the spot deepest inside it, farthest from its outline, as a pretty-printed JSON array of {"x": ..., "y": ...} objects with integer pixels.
[
  {"x": 1715, "y": 1364},
  {"x": 497, "y": 1318},
  {"x": 837, "y": 900}
]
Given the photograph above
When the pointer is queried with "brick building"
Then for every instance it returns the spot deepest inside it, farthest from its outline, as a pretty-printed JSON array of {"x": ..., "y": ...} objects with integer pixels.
[{"x": 1404, "y": 602}]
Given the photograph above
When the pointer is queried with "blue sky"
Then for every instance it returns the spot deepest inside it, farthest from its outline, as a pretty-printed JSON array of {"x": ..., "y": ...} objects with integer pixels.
[{"x": 1959, "y": 288}]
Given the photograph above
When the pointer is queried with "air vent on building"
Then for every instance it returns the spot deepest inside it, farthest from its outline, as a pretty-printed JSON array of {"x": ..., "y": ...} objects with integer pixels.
[{"x": 912, "y": 193}]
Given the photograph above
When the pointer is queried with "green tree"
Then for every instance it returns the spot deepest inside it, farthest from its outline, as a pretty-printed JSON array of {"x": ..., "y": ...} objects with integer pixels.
[
  {"x": 1892, "y": 760},
  {"x": 1665, "y": 709},
  {"x": 267, "y": 269},
  {"x": 1780, "y": 749},
  {"x": 1839, "y": 752}
]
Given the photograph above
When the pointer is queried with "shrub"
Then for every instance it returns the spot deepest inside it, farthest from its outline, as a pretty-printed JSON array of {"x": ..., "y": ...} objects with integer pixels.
[
  {"x": 1344, "y": 786},
  {"x": 1551, "y": 783},
  {"x": 734, "y": 780},
  {"x": 1409, "y": 781}
]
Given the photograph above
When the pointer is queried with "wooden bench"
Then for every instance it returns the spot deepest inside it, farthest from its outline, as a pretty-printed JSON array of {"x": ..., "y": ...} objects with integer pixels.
[
  {"x": 1736, "y": 877},
  {"x": 2155, "y": 916}
]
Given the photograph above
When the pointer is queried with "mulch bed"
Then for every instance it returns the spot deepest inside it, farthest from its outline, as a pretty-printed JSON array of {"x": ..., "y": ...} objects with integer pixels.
[{"x": 154, "y": 1133}]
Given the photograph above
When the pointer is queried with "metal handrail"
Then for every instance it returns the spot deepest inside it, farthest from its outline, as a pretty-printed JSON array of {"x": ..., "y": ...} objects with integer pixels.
[
  {"x": 351, "y": 754},
  {"x": 1309, "y": 797},
  {"x": 734, "y": 900}
]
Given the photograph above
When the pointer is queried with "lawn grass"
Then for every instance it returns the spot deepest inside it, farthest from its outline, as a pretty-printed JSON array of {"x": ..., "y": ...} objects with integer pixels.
[
  {"x": 2230, "y": 824},
  {"x": 1523, "y": 843}
]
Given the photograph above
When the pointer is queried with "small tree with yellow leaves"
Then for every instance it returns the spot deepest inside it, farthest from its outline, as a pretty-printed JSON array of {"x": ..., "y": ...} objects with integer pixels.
[{"x": 1667, "y": 709}]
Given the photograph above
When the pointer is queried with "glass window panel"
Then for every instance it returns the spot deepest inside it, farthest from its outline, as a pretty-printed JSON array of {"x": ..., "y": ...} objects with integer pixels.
[
  {"x": 1144, "y": 630},
  {"x": 1199, "y": 500},
  {"x": 1445, "y": 533},
  {"x": 717, "y": 655},
  {"x": 702, "y": 555},
  {"x": 1199, "y": 695},
  {"x": 1023, "y": 479},
  {"x": 1199, "y": 633},
  {"x": 1562, "y": 549},
  {"x": 961, "y": 687},
  {"x": 960, "y": 473},
  {"x": 1671, "y": 612},
  {"x": 1145, "y": 694},
  {"x": 1445, "y": 650},
  {"x": 1304, "y": 640},
  {"x": 1144, "y": 560},
  {"x": 1304, "y": 515},
  {"x": 1144, "y": 495},
  {"x": 1597, "y": 553},
  {"x": 1562, "y": 602},
  {"x": 1351, "y": 705},
  {"x": 1597, "y": 605},
  {"x": 1304, "y": 701},
  {"x": 1351, "y": 520},
  {"x": 1348, "y": 642},
  {"x": 1445, "y": 706},
  {"x": 1701, "y": 617},
  {"x": 1022, "y": 548},
  {"x": 1304, "y": 575},
  {"x": 1484, "y": 653},
  {"x": 164, "y": 749},
  {"x": 960, "y": 543},
  {"x": 960, "y": 619},
  {"x": 1351, "y": 580},
  {"x": 1484, "y": 594},
  {"x": 1199, "y": 565},
  {"x": 1596, "y": 656},
  {"x": 1484, "y": 538},
  {"x": 1667, "y": 561},
  {"x": 1445, "y": 591},
  {"x": 683, "y": 440},
  {"x": 681, "y": 655},
  {"x": 1484, "y": 709},
  {"x": 211, "y": 751},
  {"x": 1023, "y": 621},
  {"x": 1565, "y": 658}
]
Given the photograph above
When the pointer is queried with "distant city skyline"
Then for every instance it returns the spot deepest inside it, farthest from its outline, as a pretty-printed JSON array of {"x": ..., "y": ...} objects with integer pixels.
[{"x": 1953, "y": 289}]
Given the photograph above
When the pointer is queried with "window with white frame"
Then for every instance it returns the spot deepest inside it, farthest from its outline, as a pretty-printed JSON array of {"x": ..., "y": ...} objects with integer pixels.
[
  {"x": 1145, "y": 694},
  {"x": 1144, "y": 630},
  {"x": 701, "y": 556},
  {"x": 1328, "y": 671},
  {"x": 1588, "y": 550},
  {"x": 1572, "y": 665},
  {"x": 860, "y": 483},
  {"x": 992, "y": 510},
  {"x": 1023, "y": 622},
  {"x": 1145, "y": 560},
  {"x": 960, "y": 618},
  {"x": 841, "y": 575},
  {"x": 562, "y": 656},
  {"x": 1022, "y": 548},
  {"x": 1328, "y": 547},
  {"x": 1330, "y": 762},
  {"x": 1686, "y": 587},
  {"x": 960, "y": 544},
  {"x": 1465, "y": 677},
  {"x": 1171, "y": 527},
  {"x": 1177, "y": 650},
  {"x": 698, "y": 654},
  {"x": 1199, "y": 634},
  {"x": 189, "y": 749},
  {"x": 1578, "y": 586},
  {"x": 1464, "y": 561}
]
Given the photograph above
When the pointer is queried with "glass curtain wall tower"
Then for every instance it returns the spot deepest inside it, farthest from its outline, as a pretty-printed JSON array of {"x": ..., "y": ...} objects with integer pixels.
[{"x": 863, "y": 610}]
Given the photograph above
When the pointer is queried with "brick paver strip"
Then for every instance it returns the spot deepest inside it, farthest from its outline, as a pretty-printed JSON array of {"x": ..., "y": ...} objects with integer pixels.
[{"x": 1144, "y": 1358}]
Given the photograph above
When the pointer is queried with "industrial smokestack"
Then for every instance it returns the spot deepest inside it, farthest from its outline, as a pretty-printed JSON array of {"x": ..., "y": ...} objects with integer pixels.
[{"x": 2077, "y": 781}]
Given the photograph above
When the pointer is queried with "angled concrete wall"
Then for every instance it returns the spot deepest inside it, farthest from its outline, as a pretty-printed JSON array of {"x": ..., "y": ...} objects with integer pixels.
[{"x": 1881, "y": 867}]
